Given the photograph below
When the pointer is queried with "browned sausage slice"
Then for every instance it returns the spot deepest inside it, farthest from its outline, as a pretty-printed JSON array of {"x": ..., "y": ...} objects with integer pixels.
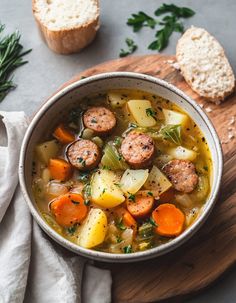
[
  {"x": 100, "y": 119},
  {"x": 182, "y": 175},
  {"x": 138, "y": 149},
  {"x": 83, "y": 154}
]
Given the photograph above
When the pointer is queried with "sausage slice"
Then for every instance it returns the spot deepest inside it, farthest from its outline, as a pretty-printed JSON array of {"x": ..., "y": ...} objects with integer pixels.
[
  {"x": 138, "y": 149},
  {"x": 83, "y": 154},
  {"x": 100, "y": 119},
  {"x": 182, "y": 175}
]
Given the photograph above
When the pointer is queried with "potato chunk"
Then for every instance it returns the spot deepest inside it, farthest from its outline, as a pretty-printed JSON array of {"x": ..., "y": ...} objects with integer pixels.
[
  {"x": 93, "y": 231},
  {"x": 157, "y": 181},
  {"x": 104, "y": 190},
  {"x": 142, "y": 112},
  {"x": 116, "y": 99},
  {"x": 47, "y": 150},
  {"x": 182, "y": 153},
  {"x": 133, "y": 179},
  {"x": 175, "y": 118}
]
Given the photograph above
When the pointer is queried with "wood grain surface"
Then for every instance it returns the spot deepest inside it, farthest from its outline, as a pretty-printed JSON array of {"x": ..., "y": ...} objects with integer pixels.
[{"x": 212, "y": 250}]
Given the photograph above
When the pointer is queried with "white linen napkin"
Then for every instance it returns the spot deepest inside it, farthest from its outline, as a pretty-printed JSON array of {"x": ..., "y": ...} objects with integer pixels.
[{"x": 33, "y": 268}]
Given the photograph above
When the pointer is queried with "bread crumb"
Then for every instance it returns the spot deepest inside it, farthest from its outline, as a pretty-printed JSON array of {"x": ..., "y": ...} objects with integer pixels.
[
  {"x": 175, "y": 65},
  {"x": 208, "y": 109}
]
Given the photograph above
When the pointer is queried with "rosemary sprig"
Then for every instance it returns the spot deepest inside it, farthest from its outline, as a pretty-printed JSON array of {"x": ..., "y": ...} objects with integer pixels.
[{"x": 10, "y": 58}]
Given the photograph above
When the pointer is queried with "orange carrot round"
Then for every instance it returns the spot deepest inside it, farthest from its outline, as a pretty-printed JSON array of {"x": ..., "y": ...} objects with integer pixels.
[
  {"x": 169, "y": 220},
  {"x": 141, "y": 206},
  {"x": 63, "y": 135},
  {"x": 69, "y": 209},
  {"x": 60, "y": 169},
  {"x": 130, "y": 222}
]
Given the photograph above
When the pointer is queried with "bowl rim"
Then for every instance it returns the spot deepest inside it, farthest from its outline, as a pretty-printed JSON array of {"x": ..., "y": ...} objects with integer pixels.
[{"x": 136, "y": 256}]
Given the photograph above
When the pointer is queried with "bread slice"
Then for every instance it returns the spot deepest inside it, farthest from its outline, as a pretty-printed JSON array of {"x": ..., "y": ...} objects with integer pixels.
[
  {"x": 67, "y": 25},
  {"x": 203, "y": 64}
]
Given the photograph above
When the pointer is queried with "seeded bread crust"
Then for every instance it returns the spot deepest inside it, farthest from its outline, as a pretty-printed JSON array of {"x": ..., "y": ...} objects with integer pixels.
[
  {"x": 204, "y": 66},
  {"x": 67, "y": 39}
]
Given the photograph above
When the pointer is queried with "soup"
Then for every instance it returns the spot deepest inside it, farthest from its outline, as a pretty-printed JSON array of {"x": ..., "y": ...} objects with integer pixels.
[{"x": 124, "y": 171}]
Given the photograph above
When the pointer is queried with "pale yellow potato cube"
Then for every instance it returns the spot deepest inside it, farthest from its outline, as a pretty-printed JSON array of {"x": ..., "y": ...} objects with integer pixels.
[
  {"x": 93, "y": 231},
  {"x": 182, "y": 153},
  {"x": 116, "y": 100},
  {"x": 173, "y": 117},
  {"x": 47, "y": 150},
  {"x": 142, "y": 111},
  {"x": 105, "y": 190},
  {"x": 157, "y": 181},
  {"x": 133, "y": 179}
]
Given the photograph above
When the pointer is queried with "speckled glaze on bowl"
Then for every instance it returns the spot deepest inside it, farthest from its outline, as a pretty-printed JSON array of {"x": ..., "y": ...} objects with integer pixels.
[{"x": 67, "y": 98}]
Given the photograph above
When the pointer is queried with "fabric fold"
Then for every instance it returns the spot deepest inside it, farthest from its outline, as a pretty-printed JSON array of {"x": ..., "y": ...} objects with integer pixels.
[{"x": 33, "y": 268}]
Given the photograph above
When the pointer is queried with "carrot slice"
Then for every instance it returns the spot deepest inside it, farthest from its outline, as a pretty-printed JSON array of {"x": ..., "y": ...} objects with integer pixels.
[
  {"x": 63, "y": 135},
  {"x": 127, "y": 218},
  {"x": 168, "y": 196},
  {"x": 69, "y": 209},
  {"x": 169, "y": 220},
  {"x": 141, "y": 206},
  {"x": 59, "y": 169},
  {"x": 130, "y": 222}
]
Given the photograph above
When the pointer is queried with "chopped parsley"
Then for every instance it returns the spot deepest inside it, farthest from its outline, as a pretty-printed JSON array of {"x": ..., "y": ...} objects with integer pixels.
[
  {"x": 93, "y": 120},
  {"x": 120, "y": 225},
  {"x": 71, "y": 230},
  {"x": 153, "y": 222},
  {"x": 205, "y": 168},
  {"x": 151, "y": 113},
  {"x": 131, "y": 197},
  {"x": 131, "y": 48},
  {"x": 127, "y": 249},
  {"x": 82, "y": 161},
  {"x": 168, "y": 24},
  {"x": 87, "y": 202},
  {"x": 117, "y": 141},
  {"x": 150, "y": 193},
  {"x": 83, "y": 176},
  {"x": 118, "y": 239}
]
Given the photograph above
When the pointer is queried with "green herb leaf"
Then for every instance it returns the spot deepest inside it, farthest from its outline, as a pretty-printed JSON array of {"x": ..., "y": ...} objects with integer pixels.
[
  {"x": 71, "y": 230},
  {"x": 131, "y": 197},
  {"x": 145, "y": 231},
  {"x": 151, "y": 113},
  {"x": 132, "y": 125},
  {"x": 118, "y": 239},
  {"x": 127, "y": 249},
  {"x": 10, "y": 58},
  {"x": 120, "y": 225},
  {"x": 180, "y": 12},
  {"x": 141, "y": 19},
  {"x": 150, "y": 193},
  {"x": 87, "y": 202},
  {"x": 82, "y": 161},
  {"x": 117, "y": 141},
  {"x": 131, "y": 48},
  {"x": 87, "y": 192},
  {"x": 172, "y": 133},
  {"x": 83, "y": 177},
  {"x": 205, "y": 168},
  {"x": 153, "y": 222}
]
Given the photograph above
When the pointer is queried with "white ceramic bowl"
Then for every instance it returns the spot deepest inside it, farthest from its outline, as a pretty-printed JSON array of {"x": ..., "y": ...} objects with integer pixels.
[{"x": 66, "y": 99}]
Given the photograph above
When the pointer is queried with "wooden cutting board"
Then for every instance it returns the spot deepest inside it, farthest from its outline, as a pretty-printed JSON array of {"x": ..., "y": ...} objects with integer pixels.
[{"x": 212, "y": 250}]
